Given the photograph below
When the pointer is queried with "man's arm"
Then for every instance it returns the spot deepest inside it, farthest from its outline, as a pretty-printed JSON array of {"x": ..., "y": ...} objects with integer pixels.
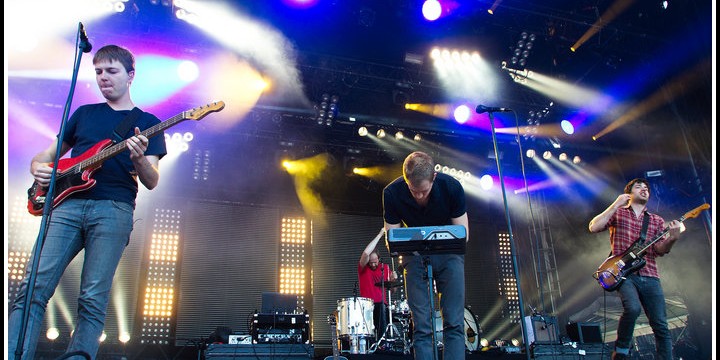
[
  {"x": 463, "y": 220},
  {"x": 146, "y": 166},
  {"x": 40, "y": 167},
  {"x": 663, "y": 247},
  {"x": 599, "y": 221},
  {"x": 365, "y": 256}
]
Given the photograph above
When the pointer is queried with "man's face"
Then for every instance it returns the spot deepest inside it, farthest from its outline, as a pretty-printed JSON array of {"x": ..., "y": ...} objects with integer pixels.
[
  {"x": 112, "y": 79},
  {"x": 640, "y": 192},
  {"x": 374, "y": 261},
  {"x": 421, "y": 191}
]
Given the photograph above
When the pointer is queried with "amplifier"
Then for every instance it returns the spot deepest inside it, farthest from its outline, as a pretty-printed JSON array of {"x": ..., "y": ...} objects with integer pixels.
[
  {"x": 240, "y": 339},
  {"x": 280, "y": 328}
]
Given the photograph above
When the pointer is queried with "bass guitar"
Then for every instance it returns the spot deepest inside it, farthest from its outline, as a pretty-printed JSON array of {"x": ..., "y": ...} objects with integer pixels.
[
  {"x": 75, "y": 174},
  {"x": 611, "y": 273},
  {"x": 332, "y": 319}
]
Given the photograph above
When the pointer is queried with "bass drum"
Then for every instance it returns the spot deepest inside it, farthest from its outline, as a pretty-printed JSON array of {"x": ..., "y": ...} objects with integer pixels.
[{"x": 472, "y": 330}]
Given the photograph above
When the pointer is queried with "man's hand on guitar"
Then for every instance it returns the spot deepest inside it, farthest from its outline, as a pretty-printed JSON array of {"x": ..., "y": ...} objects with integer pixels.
[
  {"x": 41, "y": 173},
  {"x": 674, "y": 228},
  {"x": 137, "y": 145}
]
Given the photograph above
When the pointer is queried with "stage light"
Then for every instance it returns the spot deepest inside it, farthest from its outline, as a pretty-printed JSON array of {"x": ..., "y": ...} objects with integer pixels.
[
  {"x": 547, "y": 155},
  {"x": 576, "y": 160},
  {"x": 431, "y": 10},
  {"x": 515, "y": 342},
  {"x": 362, "y": 131},
  {"x": 399, "y": 135},
  {"x": 380, "y": 133},
  {"x": 103, "y": 336},
  {"x": 530, "y": 153},
  {"x": 124, "y": 337},
  {"x": 562, "y": 156},
  {"x": 417, "y": 137},
  {"x": 484, "y": 342},
  {"x": 52, "y": 333},
  {"x": 567, "y": 127}
]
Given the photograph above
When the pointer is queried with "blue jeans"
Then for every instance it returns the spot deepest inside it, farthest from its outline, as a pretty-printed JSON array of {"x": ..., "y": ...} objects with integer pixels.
[
  {"x": 643, "y": 293},
  {"x": 102, "y": 228},
  {"x": 448, "y": 272}
]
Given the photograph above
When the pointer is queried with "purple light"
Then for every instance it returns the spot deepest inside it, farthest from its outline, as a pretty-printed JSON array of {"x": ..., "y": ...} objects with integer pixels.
[{"x": 300, "y": 4}]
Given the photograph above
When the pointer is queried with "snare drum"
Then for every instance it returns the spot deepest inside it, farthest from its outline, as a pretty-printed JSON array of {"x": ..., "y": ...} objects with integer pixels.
[{"x": 355, "y": 317}]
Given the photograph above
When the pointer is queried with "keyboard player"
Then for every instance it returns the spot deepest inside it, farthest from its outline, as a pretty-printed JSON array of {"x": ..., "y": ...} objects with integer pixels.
[{"x": 422, "y": 197}]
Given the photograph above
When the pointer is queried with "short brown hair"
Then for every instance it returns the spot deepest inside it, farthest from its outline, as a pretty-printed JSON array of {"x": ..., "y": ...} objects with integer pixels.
[
  {"x": 628, "y": 187},
  {"x": 418, "y": 166},
  {"x": 118, "y": 53}
]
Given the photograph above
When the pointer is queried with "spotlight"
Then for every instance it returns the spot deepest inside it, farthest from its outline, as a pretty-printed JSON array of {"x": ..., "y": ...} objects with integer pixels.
[
  {"x": 417, "y": 137},
  {"x": 562, "y": 156},
  {"x": 547, "y": 154},
  {"x": 515, "y": 342},
  {"x": 381, "y": 133},
  {"x": 124, "y": 337},
  {"x": 530, "y": 153},
  {"x": 52, "y": 333},
  {"x": 362, "y": 131},
  {"x": 576, "y": 160},
  {"x": 399, "y": 135}
]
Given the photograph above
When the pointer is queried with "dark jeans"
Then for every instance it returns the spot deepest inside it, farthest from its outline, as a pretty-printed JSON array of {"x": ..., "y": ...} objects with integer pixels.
[
  {"x": 449, "y": 276},
  {"x": 639, "y": 293},
  {"x": 380, "y": 320}
]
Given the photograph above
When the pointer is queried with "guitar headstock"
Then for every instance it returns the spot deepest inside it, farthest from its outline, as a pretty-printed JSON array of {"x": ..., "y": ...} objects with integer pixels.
[
  {"x": 202, "y": 111},
  {"x": 696, "y": 211}
]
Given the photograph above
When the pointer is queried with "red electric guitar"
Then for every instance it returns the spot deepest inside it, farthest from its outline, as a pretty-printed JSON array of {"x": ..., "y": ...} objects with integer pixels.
[{"x": 74, "y": 174}]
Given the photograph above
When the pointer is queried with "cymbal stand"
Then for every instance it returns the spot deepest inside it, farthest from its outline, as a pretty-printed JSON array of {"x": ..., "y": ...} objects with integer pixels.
[{"x": 391, "y": 333}]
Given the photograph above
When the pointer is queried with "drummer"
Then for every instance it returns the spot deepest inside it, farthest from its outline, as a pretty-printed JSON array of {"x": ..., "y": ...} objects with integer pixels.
[{"x": 372, "y": 278}]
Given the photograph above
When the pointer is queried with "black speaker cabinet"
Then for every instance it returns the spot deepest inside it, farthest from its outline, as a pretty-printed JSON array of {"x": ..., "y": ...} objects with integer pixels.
[
  {"x": 584, "y": 333},
  {"x": 542, "y": 329}
]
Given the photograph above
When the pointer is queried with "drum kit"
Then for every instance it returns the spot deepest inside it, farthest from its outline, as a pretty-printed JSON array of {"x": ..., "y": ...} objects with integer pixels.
[{"x": 356, "y": 328}]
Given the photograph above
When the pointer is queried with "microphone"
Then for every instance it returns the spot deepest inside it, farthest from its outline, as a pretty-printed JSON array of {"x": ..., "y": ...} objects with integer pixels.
[
  {"x": 483, "y": 109},
  {"x": 85, "y": 44}
]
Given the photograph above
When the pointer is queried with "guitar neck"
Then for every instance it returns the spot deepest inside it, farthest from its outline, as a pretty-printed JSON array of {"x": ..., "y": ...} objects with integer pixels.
[
  {"x": 115, "y": 149},
  {"x": 658, "y": 237}
]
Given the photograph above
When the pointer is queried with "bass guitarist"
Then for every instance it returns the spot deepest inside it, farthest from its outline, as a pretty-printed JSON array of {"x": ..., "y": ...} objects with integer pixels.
[
  {"x": 641, "y": 289},
  {"x": 99, "y": 219}
]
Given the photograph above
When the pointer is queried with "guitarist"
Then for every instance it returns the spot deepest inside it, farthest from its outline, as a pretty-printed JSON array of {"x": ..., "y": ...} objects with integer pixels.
[
  {"x": 99, "y": 219},
  {"x": 641, "y": 290}
]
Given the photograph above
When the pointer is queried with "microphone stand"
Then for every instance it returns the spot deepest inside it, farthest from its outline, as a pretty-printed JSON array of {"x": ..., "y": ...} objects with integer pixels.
[
  {"x": 510, "y": 234},
  {"x": 49, "y": 197}
]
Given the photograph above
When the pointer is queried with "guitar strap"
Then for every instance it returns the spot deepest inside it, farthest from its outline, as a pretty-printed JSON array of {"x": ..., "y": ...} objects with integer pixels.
[
  {"x": 124, "y": 126},
  {"x": 643, "y": 232}
]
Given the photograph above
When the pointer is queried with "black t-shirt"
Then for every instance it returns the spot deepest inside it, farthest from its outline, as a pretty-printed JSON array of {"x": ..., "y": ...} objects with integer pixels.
[
  {"x": 446, "y": 201},
  {"x": 116, "y": 178}
]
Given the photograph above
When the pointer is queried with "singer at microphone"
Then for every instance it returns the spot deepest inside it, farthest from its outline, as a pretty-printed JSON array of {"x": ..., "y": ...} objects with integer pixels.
[{"x": 483, "y": 109}]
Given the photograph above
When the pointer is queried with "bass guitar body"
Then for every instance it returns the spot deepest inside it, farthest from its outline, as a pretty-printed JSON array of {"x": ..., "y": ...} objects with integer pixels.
[
  {"x": 69, "y": 179},
  {"x": 613, "y": 270}
]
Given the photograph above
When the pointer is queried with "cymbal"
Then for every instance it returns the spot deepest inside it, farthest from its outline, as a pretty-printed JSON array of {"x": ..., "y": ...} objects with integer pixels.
[{"x": 389, "y": 284}]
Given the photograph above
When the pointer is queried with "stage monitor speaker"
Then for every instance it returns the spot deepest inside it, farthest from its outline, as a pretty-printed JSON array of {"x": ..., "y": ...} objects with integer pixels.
[
  {"x": 542, "y": 329},
  {"x": 584, "y": 333},
  {"x": 259, "y": 351}
]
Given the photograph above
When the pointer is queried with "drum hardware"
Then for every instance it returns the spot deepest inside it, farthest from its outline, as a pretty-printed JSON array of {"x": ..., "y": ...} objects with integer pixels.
[
  {"x": 392, "y": 339},
  {"x": 355, "y": 322}
]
